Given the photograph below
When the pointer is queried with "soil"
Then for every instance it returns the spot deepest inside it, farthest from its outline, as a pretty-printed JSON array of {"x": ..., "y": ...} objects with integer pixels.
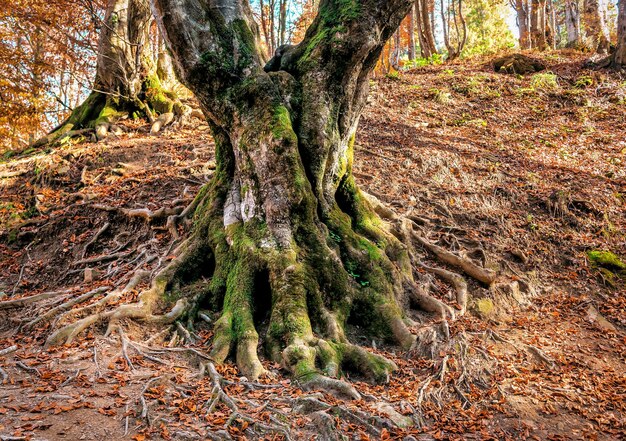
[{"x": 523, "y": 174}]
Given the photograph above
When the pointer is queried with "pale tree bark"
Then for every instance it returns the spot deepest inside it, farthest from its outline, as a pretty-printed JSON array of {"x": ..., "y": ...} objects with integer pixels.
[
  {"x": 126, "y": 80},
  {"x": 283, "y": 229},
  {"x": 522, "y": 10},
  {"x": 572, "y": 23},
  {"x": 394, "y": 55},
  {"x": 595, "y": 26}
]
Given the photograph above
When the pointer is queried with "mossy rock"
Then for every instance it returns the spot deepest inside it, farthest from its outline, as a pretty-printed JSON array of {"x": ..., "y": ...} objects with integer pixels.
[
  {"x": 606, "y": 259},
  {"x": 483, "y": 307},
  {"x": 517, "y": 64}
]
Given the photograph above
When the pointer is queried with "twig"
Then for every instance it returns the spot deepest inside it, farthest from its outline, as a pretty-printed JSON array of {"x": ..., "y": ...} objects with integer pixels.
[
  {"x": 8, "y": 350},
  {"x": 95, "y": 360},
  {"x": 72, "y": 378},
  {"x": 28, "y": 368},
  {"x": 144, "y": 404}
]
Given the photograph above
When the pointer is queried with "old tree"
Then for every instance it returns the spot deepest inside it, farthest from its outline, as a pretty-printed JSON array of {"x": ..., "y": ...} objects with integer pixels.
[
  {"x": 283, "y": 239},
  {"x": 127, "y": 78}
]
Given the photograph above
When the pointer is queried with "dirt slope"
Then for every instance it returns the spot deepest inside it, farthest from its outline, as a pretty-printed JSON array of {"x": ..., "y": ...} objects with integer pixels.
[{"x": 523, "y": 174}]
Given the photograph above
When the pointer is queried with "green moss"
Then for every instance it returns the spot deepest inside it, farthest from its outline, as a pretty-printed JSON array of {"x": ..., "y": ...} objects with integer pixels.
[
  {"x": 606, "y": 259},
  {"x": 483, "y": 307},
  {"x": 282, "y": 127},
  {"x": 335, "y": 18}
]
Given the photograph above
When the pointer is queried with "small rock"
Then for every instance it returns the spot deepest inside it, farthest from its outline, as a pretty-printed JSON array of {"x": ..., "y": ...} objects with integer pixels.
[
  {"x": 594, "y": 316},
  {"x": 397, "y": 418},
  {"x": 91, "y": 274}
]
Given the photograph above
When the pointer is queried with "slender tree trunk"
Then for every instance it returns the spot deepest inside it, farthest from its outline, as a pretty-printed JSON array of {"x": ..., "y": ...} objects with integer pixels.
[
  {"x": 620, "y": 48},
  {"x": 412, "y": 33},
  {"x": 421, "y": 32},
  {"x": 521, "y": 8},
  {"x": 282, "y": 230},
  {"x": 596, "y": 27},
  {"x": 394, "y": 58},
  {"x": 427, "y": 25},
  {"x": 537, "y": 24},
  {"x": 283, "y": 21},
  {"x": 572, "y": 23}
]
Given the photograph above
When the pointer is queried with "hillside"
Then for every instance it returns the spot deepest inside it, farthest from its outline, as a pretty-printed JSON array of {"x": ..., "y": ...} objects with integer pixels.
[{"x": 524, "y": 175}]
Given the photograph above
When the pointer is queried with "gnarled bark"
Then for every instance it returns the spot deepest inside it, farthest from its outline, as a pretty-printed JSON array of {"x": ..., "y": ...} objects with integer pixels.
[
  {"x": 284, "y": 242},
  {"x": 572, "y": 23},
  {"x": 283, "y": 228}
]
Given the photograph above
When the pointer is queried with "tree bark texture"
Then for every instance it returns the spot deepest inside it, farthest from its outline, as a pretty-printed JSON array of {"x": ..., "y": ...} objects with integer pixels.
[
  {"x": 283, "y": 231},
  {"x": 572, "y": 23},
  {"x": 620, "y": 48},
  {"x": 595, "y": 25}
]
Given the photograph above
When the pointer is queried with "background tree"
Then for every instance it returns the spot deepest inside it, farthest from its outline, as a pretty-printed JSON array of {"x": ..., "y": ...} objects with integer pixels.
[
  {"x": 126, "y": 79},
  {"x": 487, "y": 29},
  {"x": 454, "y": 27},
  {"x": 46, "y": 58},
  {"x": 620, "y": 47},
  {"x": 572, "y": 23},
  {"x": 595, "y": 26},
  {"x": 523, "y": 15},
  {"x": 538, "y": 25},
  {"x": 424, "y": 10}
]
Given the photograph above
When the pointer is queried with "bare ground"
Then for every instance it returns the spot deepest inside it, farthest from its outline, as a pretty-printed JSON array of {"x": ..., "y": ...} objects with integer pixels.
[{"x": 524, "y": 175}]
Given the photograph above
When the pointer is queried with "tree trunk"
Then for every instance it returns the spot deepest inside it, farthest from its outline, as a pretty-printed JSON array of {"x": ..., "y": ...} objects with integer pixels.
[
  {"x": 596, "y": 27},
  {"x": 523, "y": 23},
  {"x": 421, "y": 33},
  {"x": 412, "y": 33},
  {"x": 283, "y": 231},
  {"x": 537, "y": 25},
  {"x": 620, "y": 48},
  {"x": 126, "y": 79},
  {"x": 572, "y": 24},
  {"x": 394, "y": 58}
]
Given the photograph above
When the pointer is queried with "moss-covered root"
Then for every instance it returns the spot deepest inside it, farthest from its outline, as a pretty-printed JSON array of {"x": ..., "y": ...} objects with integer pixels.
[
  {"x": 318, "y": 364},
  {"x": 143, "y": 309},
  {"x": 236, "y": 325}
]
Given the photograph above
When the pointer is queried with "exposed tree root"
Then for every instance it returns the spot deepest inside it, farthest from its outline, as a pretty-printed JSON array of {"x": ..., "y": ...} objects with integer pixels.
[{"x": 248, "y": 273}]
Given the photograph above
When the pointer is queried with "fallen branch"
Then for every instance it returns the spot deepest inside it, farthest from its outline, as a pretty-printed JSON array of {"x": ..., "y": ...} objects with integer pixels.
[
  {"x": 8, "y": 350},
  {"x": 484, "y": 275}
]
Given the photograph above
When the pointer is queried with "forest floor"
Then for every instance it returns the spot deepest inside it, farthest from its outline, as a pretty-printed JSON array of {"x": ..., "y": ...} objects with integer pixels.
[{"x": 533, "y": 169}]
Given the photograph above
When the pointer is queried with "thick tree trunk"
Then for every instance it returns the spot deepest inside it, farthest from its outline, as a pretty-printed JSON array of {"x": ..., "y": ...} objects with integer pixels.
[
  {"x": 126, "y": 77},
  {"x": 572, "y": 23},
  {"x": 620, "y": 48},
  {"x": 595, "y": 25},
  {"x": 282, "y": 230}
]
